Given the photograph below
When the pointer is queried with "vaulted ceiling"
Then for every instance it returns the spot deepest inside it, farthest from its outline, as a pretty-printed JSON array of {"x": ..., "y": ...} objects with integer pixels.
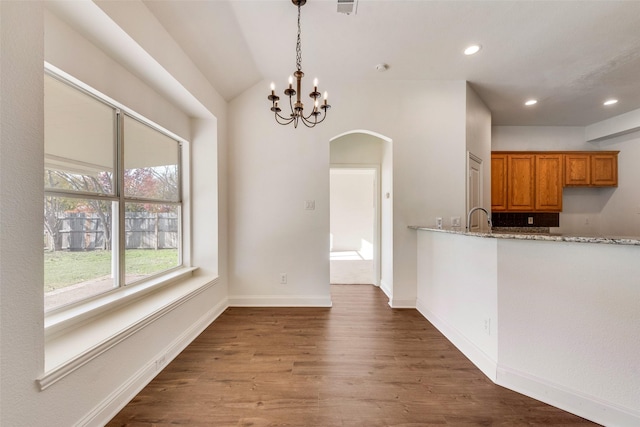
[{"x": 569, "y": 55}]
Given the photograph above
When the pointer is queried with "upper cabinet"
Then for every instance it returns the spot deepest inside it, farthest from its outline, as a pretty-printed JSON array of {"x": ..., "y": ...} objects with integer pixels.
[
  {"x": 591, "y": 169},
  {"x": 520, "y": 182},
  {"x": 533, "y": 181},
  {"x": 526, "y": 182},
  {"x": 604, "y": 169},
  {"x": 498, "y": 182},
  {"x": 549, "y": 182}
]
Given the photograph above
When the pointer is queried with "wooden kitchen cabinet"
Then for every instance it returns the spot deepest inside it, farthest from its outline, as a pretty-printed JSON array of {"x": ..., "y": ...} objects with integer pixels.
[
  {"x": 532, "y": 181},
  {"x": 498, "y": 182},
  {"x": 526, "y": 181},
  {"x": 548, "y": 182},
  {"x": 591, "y": 169},
  {"x": 604, "y": 169},
  {"x": 521, "y": 182},
  {"x": 577, "y": 169}
]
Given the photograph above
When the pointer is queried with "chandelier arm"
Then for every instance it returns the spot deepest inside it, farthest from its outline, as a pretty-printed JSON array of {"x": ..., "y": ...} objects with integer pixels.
[
  {"x": 291, "y": 109},
  {"x": 324, "y": 116},
  {"x": 283, "y": 120},
  {"x": 310, "y": 122}
]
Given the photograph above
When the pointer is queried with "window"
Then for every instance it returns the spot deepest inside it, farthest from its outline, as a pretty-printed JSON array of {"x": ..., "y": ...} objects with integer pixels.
[{"x": 113, "y": 205}]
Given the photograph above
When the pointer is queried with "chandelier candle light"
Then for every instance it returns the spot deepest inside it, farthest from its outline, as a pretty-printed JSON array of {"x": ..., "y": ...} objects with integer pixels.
[{"x": 297, "y": 109}]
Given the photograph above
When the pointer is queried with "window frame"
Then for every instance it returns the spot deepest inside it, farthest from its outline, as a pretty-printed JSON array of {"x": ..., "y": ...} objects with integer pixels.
[{"x": 81, "y": 309}]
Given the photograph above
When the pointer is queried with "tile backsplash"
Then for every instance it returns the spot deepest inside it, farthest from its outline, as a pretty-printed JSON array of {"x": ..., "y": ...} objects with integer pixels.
[{"x": 525, "y": 219}]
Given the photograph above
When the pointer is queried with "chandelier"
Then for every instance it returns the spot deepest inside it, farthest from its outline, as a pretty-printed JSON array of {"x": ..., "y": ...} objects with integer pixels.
[{"x": 297, "y": 109}]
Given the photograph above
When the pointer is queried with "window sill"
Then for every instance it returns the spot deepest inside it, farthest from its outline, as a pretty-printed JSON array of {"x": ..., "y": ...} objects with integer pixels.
[{"x": 77, "y": 335}]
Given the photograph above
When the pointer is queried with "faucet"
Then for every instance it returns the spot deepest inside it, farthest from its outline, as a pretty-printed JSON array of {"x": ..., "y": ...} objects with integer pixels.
[{"x": 477, "y": 208}]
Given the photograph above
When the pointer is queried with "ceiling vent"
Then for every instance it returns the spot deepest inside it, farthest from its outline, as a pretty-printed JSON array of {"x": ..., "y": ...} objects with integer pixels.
[{"x": 347, "y": 6}]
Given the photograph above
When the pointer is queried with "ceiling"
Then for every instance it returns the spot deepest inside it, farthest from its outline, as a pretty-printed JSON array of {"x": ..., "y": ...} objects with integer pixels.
[{"x": 569, "y": 55}]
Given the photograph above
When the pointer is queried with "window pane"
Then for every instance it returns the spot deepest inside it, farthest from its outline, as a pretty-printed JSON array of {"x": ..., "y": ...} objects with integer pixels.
[
  {"x": 151, "y": 163},
  {"x": 78, "y": 140},
  {"x": 152, "y": 233},
  {"x": 77, "y": 249}
]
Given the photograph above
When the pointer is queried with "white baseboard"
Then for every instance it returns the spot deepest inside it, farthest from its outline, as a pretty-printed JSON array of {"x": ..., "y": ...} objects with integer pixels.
[
  {"x": 402, "y": 303},
  {"x": 577, "y": 403},
  {"x": 395, "y": 302},
  {"x": 279, "y": 301},
  {"x": 119, "y": 398},
  {"x": 486, "y": 364},
  {"x": 386, "y": 289}
]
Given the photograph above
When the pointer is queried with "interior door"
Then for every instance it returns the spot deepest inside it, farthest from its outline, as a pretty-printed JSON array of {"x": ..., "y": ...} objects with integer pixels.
[{"x": 474, "y": 189}]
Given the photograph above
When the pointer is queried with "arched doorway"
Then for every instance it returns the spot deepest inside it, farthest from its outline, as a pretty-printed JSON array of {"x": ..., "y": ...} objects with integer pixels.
[{"x": 361, "y": 209}]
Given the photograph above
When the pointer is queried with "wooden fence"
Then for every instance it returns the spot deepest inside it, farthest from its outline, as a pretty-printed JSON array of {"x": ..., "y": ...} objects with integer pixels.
[{"x": 143, "y": 230}]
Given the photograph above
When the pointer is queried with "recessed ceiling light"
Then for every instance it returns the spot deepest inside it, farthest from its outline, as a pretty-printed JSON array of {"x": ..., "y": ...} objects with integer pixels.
[
  {"x": 531, "y": 102},
  {"x": 472, "y": 49},
  {"x": 610, "y": 101}
]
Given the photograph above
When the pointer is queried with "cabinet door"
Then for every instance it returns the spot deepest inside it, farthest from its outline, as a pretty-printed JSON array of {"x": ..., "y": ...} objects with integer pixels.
[
  {"x": 498, "y": 182},
  {"x": 604, "y": 169},
  {"x": 548, "y": 182},
  {"x": 521, "y": 182},
  {"x": 577, "y": 169}
]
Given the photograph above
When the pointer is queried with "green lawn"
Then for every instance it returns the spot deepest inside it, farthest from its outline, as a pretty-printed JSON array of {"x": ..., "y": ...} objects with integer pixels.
[{"x": 68, "y": 268}]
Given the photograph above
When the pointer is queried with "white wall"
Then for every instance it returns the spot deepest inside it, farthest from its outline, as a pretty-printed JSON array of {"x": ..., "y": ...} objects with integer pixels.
[
  {"x": 352, "y": 204},
  {"x": 568, "y": 331},
  {"x": 105, "y": 382},
  {"x": 458, "y": 293},
  {"x": 478, "y": 132},
  {"x": 563, "y": 332},
  {"x": 588, "y": 211},
  {"x": 273, "y": 169},
  {"x": 357, "y": 148}
]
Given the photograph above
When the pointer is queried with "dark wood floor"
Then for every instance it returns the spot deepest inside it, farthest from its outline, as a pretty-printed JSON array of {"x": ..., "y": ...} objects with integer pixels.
[{"x": 359, "y": 363}]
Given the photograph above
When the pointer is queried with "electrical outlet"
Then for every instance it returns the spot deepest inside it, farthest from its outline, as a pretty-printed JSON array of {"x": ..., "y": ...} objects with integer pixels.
[
  {"x": 530, "y": 220},
  {"x": 439, "y": 222},
  {"x": 455, "y": 221},
  {"x": 487, "y": 326},
  {"x": 283, "y": 278}
]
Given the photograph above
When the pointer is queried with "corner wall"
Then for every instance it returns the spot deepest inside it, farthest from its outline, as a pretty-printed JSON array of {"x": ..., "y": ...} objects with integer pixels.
[{"x": 478, "y": 134}]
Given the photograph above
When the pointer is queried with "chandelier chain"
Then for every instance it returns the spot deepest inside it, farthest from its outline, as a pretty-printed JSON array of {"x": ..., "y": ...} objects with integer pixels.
[{"x": 298, "y": 45}]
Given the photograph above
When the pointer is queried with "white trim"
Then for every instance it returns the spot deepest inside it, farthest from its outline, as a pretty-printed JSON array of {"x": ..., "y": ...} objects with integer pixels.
[
  {"x": 402, "y": 303},
  {"x": 77, "y": 314},
  {"x": 486, "y": 364},
  {"x": 386, "y": 289},
  {"x": 119, "y": 398},
  {"x": 279, "y": 301},
  {"x": 68, "y": 352},
  {"x": 573, "y": 401}
]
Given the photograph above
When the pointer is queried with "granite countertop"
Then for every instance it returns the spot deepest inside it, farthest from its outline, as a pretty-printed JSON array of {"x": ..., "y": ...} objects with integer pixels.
[{"x": 549, "y": 237}]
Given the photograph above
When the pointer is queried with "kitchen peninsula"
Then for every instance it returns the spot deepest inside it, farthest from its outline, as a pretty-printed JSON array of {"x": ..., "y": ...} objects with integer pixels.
[{"x": 553, "y": 317}]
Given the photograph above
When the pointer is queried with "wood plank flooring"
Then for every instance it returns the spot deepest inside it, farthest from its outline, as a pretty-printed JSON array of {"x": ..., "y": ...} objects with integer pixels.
[{"x": 359, "y": 363}]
